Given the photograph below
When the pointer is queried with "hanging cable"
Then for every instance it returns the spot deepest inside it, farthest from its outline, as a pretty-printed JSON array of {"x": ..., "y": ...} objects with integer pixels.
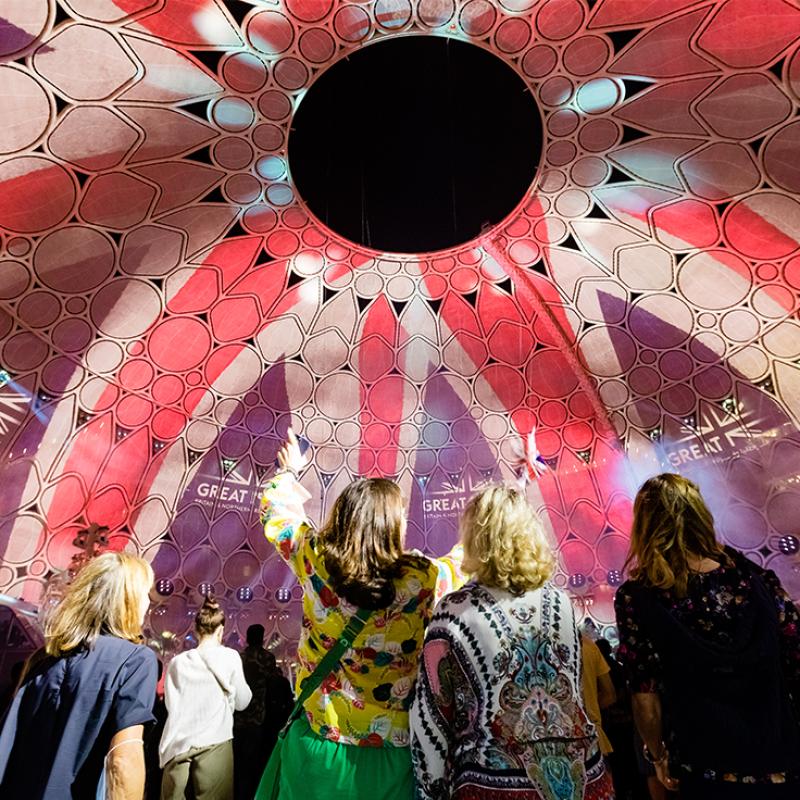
[
  {"x": 366, "y": 237},
  {"x": 452, "y": 139}
]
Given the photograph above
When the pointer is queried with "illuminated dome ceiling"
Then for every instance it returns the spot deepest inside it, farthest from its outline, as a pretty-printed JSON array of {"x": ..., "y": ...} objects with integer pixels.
[{"x": 170, "y": 305}]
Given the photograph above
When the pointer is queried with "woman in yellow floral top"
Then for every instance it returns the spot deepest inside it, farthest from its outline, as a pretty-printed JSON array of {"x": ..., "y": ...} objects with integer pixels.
[{"x": 357, "y": 720}]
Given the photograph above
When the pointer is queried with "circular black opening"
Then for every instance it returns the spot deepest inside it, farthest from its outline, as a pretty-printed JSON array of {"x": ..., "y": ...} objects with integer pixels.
[{"x": 414, "y": 143}]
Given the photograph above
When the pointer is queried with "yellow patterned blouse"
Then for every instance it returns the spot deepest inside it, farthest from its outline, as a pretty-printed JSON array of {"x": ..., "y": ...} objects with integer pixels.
[{"x": 366, "y": 702}]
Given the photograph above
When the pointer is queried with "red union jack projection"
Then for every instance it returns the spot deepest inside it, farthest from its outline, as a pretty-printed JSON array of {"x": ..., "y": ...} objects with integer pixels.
[{"x": 168, "y": 305}]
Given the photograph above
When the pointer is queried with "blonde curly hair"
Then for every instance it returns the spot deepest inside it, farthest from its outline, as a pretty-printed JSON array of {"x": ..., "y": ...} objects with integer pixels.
[{"x": 505, "y": 544}]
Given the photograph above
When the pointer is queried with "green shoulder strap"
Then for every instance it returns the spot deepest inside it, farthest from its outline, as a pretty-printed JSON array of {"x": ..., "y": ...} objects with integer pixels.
[{"x": 330, "y": 660}]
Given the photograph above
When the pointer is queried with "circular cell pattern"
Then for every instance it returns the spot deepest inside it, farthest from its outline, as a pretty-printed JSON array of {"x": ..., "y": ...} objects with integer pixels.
[
  {"x": 139, "y": 299},
  {"x": 39, "y": 193},
  {"x": 25, "y": 107},
  {"x": 179, "y": 343},
  {"x": 24, "y": 21},
  {"x": 715, "y": 279},
  {"x": 74, "y": 259},
  {"x": 764, "y": 225},
  {"x": 244, "y": 72}
]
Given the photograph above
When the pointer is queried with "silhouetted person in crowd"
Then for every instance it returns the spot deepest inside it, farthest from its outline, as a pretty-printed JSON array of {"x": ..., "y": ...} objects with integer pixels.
[
  {"x": 203, "y": 688},
  {"x": 17, "y": 669},
  {"x": 249, "y": 741},
  {"x": 75, "y": 727},
  {"x": 279, "y": 702},
  {"x": 607, "y": 651},
  {"x": 151, "y": 742},
  {"x": 717, "y": 637},
  {"x": 598, "y": 689},
  {"x": 618, "y": 727}
]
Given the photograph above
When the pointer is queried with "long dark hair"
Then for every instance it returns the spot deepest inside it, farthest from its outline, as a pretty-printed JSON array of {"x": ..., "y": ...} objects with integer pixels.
[
  {"x": 363, "y": 542},
  {"x": 670, "y": 522}
]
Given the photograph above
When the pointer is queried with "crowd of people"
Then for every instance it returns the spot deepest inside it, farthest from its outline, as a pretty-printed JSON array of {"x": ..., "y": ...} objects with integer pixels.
[{"x": 462, "y": 677}]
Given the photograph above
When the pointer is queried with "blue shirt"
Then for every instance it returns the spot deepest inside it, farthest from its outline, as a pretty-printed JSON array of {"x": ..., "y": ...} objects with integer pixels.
[{"x": 57, "y": 731}]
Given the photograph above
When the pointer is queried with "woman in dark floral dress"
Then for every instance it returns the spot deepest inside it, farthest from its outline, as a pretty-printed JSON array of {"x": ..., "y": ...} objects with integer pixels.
[{"x": 711, "y": 647}]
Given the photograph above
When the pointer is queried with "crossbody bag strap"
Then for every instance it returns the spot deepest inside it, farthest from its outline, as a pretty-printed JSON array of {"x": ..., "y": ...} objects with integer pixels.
[{"x": 329, "y": 661}]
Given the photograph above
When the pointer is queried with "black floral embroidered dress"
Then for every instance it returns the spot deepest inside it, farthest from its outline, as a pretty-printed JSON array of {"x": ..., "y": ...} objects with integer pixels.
[{"x": 733, "y": 624}]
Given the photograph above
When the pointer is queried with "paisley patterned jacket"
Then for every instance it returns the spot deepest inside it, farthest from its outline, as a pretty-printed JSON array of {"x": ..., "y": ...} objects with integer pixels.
[{"x": 498, "y": 710}]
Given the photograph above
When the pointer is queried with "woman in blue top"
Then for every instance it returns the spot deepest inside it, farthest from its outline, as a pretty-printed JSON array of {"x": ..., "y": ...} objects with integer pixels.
[{"x": 76, "y": 722}]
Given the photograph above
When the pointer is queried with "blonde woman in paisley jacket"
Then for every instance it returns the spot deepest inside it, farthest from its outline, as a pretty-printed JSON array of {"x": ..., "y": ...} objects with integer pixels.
[{"x": 498, "y": 712}]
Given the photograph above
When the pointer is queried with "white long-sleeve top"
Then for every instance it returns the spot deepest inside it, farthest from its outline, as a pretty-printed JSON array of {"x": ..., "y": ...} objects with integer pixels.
[{"x": 202, "y": 689}]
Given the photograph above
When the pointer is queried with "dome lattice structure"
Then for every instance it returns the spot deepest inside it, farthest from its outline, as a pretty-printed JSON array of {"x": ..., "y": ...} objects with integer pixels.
[{"x": 169, "y": 306}]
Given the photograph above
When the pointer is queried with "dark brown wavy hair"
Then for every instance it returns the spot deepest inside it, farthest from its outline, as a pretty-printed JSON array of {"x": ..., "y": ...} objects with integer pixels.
[
  {"x": 363, "y": 542},
  {"x": 670, "y": 522},
  {"x": 209, "y": 617}
]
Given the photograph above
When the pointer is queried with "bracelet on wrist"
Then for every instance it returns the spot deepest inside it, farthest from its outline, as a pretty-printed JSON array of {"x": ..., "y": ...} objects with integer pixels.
[
  {"x": 652, "y": 759},
  {"x": 291, "y": 470}
]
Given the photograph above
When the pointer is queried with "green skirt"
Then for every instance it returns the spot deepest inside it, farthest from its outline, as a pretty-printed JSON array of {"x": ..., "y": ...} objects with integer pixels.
[{"x": 315, "y": 768}]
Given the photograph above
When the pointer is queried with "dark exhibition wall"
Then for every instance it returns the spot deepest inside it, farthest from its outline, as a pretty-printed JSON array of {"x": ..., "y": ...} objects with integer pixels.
[{"x": 447, "y": 242}]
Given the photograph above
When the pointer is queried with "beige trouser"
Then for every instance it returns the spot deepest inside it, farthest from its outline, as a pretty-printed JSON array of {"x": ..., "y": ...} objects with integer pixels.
[{"x": 209, "y": 769}]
